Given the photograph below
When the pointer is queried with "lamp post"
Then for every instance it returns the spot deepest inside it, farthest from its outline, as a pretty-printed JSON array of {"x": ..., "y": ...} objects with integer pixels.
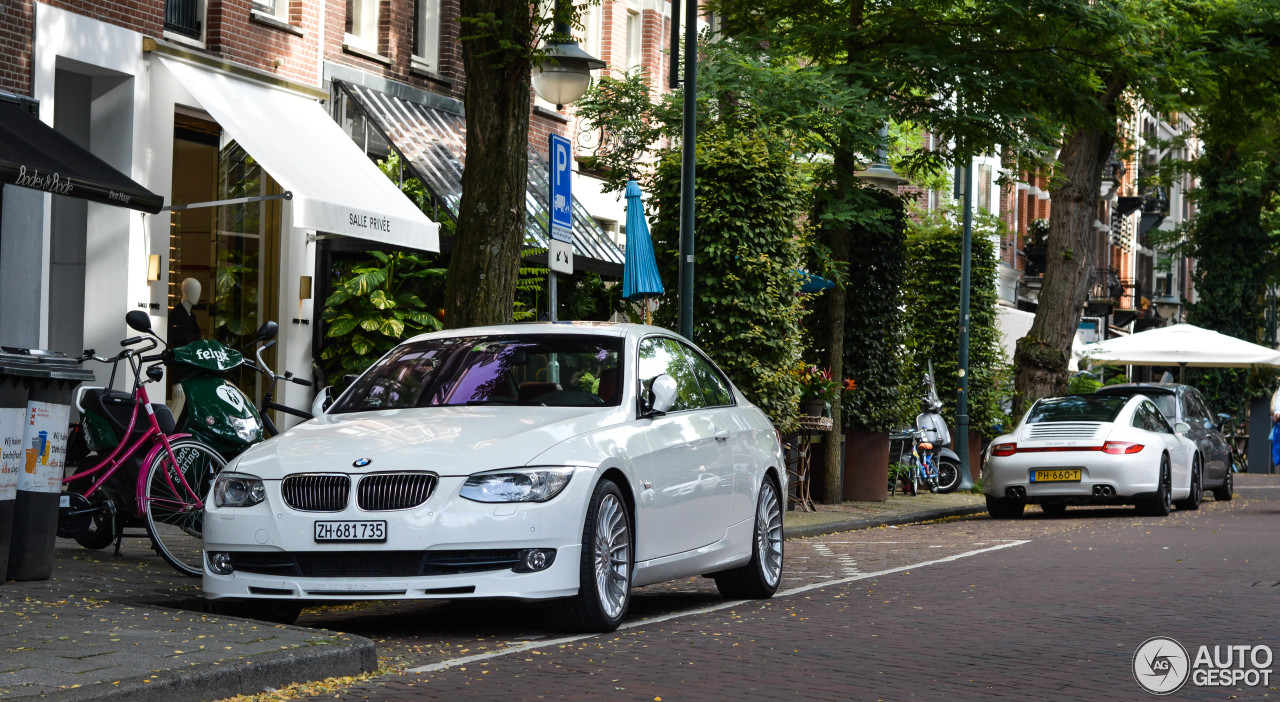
[
  {"x": 563, "y": 76},
  {"x": 879, "y": 174}
]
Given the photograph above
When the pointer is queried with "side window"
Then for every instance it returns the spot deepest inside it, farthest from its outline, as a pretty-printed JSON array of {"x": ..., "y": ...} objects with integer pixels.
[
  {"x": 1156, "y": 419},
  {"x": 659, "y": 355},
  {"x": 1204, "y": 406},
  {"x": 714, "y": 386},
  {"x": 1195, "y": 409},
  {"x": 1140, "y": 418}
]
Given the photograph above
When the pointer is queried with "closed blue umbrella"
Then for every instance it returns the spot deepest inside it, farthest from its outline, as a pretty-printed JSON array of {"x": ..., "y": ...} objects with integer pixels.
[{"x": 640, "y": 271}]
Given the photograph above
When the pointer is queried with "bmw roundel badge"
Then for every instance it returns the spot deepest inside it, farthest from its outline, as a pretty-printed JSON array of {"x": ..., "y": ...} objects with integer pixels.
[{"x": 362, "y": 462}]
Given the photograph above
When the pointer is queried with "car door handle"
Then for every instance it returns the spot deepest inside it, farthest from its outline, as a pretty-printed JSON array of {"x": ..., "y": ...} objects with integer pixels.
[{"x": 721, "y": 434}]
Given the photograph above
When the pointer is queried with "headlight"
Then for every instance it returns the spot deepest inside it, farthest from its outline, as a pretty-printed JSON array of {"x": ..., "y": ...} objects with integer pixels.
[
  {"x": 517, "y": 485},
  {"x": 238, "y": 490},
  {"x": 246, "y": 429}
]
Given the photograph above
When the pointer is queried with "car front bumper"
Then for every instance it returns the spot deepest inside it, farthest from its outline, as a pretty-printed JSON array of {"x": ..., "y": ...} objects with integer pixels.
[{"x": 278, "y": 557}]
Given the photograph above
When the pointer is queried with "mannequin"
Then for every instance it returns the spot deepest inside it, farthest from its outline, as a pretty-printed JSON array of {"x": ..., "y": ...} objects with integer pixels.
[{"x": 183, "y": 328}]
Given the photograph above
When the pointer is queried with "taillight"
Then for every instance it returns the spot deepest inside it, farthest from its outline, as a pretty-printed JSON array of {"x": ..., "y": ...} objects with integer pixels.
[
  {"x": 1004, "y": 449},
  {"x": 1116, "y": 448}
]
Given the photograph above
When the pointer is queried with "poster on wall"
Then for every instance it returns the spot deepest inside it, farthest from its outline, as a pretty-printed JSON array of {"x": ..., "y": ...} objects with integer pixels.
[
  {"x": 12, "y": 457},
  {"x": 44, "y": 442}
]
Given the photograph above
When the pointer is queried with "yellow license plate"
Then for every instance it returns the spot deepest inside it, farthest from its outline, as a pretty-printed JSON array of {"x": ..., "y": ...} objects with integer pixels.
[{"x": 1056, "y": 476}]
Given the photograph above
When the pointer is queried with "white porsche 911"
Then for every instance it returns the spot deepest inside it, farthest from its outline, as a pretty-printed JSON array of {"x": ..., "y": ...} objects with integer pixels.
[
  {"x": 1092, "y": 449},
  {"x": 531, "y": 461}
]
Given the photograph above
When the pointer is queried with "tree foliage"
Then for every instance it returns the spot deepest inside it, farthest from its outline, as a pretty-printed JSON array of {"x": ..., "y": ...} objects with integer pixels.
[{"x": 747, "y": 311}]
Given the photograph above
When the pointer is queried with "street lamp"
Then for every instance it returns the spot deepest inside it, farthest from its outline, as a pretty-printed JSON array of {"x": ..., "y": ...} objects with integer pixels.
[
  {"x": 879, "y": 174},
  {"x": 565, "y": 71}
]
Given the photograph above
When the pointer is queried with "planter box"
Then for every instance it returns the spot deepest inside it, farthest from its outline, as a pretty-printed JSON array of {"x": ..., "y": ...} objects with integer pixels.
[{"x": 866, "y": 465}]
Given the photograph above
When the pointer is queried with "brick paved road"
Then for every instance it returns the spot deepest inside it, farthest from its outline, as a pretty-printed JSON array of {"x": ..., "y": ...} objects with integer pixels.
[{"x": 1046, "y": 608}]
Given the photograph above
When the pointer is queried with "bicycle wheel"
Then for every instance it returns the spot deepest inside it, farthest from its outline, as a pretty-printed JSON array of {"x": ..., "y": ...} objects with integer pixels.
[{"x": 173, "y": 514}]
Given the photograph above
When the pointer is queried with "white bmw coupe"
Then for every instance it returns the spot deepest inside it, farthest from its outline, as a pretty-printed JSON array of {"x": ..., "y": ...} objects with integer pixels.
[
  {"x": 1092, "y": 449},
  {"x": 532, "y": 461}
]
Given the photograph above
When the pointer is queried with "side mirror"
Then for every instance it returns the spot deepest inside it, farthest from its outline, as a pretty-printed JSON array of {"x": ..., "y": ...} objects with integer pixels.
[
  {"x": 324, "y": 398},
  {"x": 663, "y": 392},
  {"x": 1223, "y": 419},
  {"x": 268, "y": 330},
  {"x": 1181, "y": 428},
  {"x": 138, "y": 321}
]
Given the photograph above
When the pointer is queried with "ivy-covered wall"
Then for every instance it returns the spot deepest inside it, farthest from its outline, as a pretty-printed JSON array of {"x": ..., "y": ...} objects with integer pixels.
[
  {"x": 931, "y": 296},
  {"x": 751, "y": 200}
]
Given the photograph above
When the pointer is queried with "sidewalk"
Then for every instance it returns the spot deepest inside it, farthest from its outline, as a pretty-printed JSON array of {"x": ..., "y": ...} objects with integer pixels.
[
  {"x": 900, "y": 509},
  {"x": 131, "y": 628}
]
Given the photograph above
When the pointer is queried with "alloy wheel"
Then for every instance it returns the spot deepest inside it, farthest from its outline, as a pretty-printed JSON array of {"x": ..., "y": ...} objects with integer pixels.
[
  {"x": 612, "y": 556},
  {"x": 769, "y": 534}
]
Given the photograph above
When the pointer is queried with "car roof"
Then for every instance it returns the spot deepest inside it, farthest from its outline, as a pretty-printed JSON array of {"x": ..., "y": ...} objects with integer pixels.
[
  {"x": 1143, "y": 388},
  {"x": 614, "y": 329}
]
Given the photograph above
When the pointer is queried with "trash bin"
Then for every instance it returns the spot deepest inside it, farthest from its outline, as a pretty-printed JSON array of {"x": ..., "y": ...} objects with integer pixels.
[
  {"x": 15, "y": 380},
  {"x": 50, "y": 378}
]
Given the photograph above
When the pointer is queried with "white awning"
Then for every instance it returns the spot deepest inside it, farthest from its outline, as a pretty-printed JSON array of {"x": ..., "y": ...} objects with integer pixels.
[{"x": 336, "y": 188}]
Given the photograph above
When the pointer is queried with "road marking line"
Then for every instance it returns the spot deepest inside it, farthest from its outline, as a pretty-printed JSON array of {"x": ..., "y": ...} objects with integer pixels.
[{"x": 510, "y": 650}]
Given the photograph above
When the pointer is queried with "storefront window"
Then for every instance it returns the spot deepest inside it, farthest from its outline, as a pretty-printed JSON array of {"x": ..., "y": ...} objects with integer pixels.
[{"x": 231, "y": 251}]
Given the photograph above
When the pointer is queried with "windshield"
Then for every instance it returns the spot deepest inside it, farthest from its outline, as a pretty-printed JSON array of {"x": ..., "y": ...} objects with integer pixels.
[
  {"x": 1165, "y": 402},
  {"x": 1077, "y": 408},
  {"x": 535, "y": 369}
]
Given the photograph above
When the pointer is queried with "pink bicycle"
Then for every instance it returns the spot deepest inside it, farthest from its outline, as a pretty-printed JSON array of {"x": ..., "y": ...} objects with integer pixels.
[{"x": 172, "y": 479}]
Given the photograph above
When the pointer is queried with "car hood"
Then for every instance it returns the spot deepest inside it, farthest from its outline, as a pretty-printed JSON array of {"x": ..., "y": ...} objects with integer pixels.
[{"x": 444, "y": 440}]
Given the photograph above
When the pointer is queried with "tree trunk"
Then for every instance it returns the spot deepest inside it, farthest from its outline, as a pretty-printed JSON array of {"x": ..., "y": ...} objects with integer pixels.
[
  {"x": 485, "y": 263},
  {"x": 1042, "y": 355}
]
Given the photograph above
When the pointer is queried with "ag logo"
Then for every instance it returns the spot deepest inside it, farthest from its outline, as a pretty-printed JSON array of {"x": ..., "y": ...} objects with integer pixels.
[
  {"x": 1161, "y": 665},
  {"x": 231, "y": 396}
]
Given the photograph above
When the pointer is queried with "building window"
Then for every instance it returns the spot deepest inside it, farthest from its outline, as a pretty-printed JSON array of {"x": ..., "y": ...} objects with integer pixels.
[
  {"x": 633, "y": 39},
  {"x": 276, "y": 8},
  {"x": 426, "y": 35},
  {"x": 185, "y": 17},
  {"x": 362, "y": 24},
  {"x": 984, "y": 188}
]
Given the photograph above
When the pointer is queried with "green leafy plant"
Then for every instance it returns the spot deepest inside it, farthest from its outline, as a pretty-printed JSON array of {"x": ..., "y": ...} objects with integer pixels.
[
  {"x": 373, "y": 306},
  {"x": 817, "y": 384},
  {"x": 751, "y": 198},
  {"x": 931, "y": 295}
]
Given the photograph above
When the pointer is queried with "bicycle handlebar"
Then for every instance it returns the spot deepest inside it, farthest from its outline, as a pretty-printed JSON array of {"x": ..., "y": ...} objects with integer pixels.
[{"x": 133, "y": 340}]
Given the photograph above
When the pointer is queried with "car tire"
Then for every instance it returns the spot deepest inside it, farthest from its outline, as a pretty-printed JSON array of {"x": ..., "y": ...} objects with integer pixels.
[
  {"x": 1160, "y": 504},
  {"x": 1226, "y": 492},
  {"x": 274, "y": 611},
  {"x": 759, "y": 578},
  {"x": 1056, "y": 509},
  {"x": 1001, "y": 508},
  {"x": 606, "y": 565},
  {"x": 948, "y": 475},
  {"x": 1197, "y": 488}
]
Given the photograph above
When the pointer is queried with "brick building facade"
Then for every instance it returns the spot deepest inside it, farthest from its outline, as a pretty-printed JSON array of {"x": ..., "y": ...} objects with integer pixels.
[{"x": 129, "y": 80}]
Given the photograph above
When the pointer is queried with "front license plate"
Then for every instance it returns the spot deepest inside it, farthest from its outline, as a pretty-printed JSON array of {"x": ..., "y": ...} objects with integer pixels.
[
  {"x": 1056, "y": 476},
  {"x": 351, "y": 531}
]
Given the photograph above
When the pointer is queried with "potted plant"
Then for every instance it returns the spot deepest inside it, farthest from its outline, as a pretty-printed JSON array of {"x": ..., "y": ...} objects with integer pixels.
[{"x": 817, "y": 390}]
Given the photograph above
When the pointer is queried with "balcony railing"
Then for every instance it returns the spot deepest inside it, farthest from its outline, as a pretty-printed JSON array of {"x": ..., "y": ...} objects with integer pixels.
[{"x": 183, "y": 17}]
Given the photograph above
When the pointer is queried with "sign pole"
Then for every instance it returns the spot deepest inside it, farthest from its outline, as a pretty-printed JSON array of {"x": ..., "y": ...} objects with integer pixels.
[{"x": 560, "y": 222}]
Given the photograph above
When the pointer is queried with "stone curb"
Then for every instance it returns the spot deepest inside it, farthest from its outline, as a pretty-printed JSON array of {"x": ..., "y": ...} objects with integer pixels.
[
  {"x": 837, "y": 526},
  {"x": 249, "y": 675}
]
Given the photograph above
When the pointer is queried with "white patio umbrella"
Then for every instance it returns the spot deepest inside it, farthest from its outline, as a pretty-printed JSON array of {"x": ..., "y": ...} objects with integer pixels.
[{"x": 1179, "y": 345}]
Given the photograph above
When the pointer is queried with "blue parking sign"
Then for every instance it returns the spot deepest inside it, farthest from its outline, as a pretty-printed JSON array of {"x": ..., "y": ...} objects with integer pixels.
[{"x": 561, "y": 204}]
